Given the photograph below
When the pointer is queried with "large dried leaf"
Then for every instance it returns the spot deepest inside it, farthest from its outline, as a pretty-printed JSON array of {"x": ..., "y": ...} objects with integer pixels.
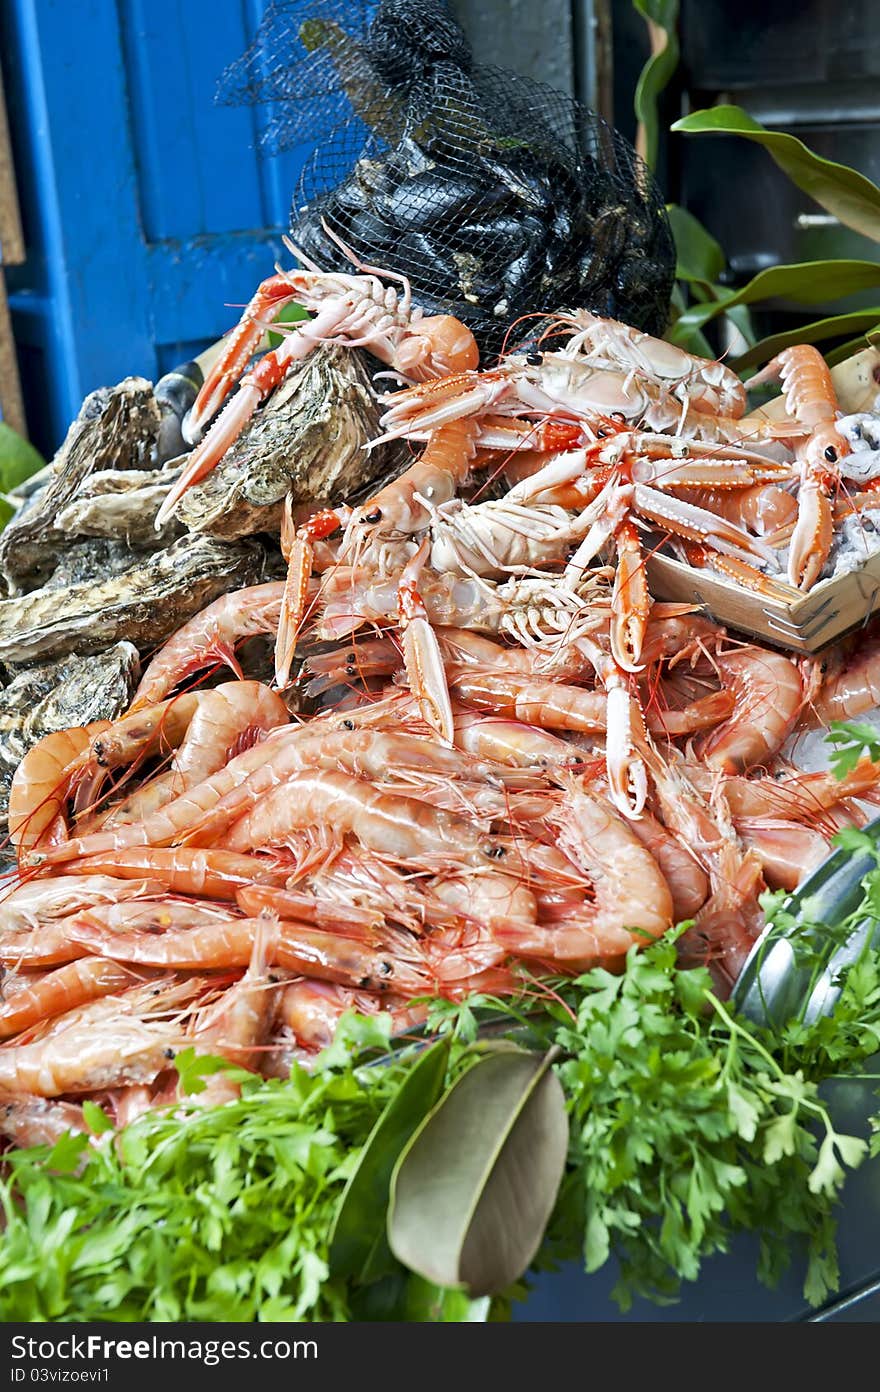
[
  {"x": 473, "y": 1190},
  {"x": 358, "y": 1242}
]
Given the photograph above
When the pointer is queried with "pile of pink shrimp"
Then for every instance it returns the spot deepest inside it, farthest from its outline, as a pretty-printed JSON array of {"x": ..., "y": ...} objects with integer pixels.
[
  {"x": 210, "y": 871},
  {"x": 497, "y": 762}
]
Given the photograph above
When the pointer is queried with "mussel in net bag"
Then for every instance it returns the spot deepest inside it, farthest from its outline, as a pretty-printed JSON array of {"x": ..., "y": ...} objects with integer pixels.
[{"x": 496, "y": 196}]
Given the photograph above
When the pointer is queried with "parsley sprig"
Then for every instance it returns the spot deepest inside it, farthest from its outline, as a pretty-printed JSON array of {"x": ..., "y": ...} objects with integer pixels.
[
  {"x": 211, "y": 1214},
  {"x": 851, "y": 741}
]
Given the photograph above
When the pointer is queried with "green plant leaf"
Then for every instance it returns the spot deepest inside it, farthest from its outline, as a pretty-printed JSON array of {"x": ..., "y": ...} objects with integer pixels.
[
  {"x": 426, "y": 1302},
  {"x": 832, "y": 327},
  {"x": 853, "y": 346},
  {"x": 699, "y": 256},
  {"x": 850, "y": 741},
  {"x": 845, "y": 193},
  {"x": 809, "y": 282},
  {"x": 288, "y": 314},
  {"x": 96, "y": 1118},
  {"x": 358, "y": 1243},
  {"x": 473, "y": 1190},
  {"x": 657, "y": 71},
  {"x": 18, "y": 461}
]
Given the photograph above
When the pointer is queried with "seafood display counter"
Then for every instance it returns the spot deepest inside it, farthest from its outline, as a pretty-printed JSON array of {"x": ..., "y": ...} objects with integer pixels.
[{"x": 411, "y": 726}]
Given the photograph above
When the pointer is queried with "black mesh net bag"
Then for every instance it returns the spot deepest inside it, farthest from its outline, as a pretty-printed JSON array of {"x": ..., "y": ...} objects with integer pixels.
[{"x": 496, "y": 196}]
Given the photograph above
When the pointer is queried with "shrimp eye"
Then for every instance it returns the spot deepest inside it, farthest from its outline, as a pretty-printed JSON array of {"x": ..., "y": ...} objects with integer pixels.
[
  {"x": 534, "y": 359},
  {"x": 831, "y": 454},
  {"x": 496, "y": 852},
  {"x": 386, "y": 968},
  {"x": 374, "y": 516},
  {"x": 348, "y": 724},
  {"x": 169, "y": 1053},
  {"x": 351, "y": 657}
]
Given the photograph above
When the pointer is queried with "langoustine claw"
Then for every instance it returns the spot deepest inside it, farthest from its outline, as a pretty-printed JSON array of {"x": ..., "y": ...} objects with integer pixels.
[{"x": 811, "y": 398}]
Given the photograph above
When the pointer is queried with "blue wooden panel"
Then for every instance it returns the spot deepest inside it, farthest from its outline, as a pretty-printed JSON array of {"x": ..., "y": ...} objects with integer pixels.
[
  {"x": 195, "y": 174},
  {"x": 149, "y": 211}
]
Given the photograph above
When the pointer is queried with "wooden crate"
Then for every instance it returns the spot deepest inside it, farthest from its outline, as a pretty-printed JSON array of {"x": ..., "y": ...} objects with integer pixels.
[{"x": 807, "y": 622}]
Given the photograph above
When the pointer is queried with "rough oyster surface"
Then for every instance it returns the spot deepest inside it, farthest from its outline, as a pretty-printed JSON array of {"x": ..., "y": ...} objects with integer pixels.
[
  {"x": 307, "y": 441},
  {"x": 38, "y": 701},
  {"x": 143, "y": 603},
  {"x": 116, "y": 429}
]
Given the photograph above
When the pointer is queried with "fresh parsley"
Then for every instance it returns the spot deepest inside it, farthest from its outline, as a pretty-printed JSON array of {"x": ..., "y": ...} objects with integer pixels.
[
  {"x": 851, "y": 741},
  {"x": 210, "y": 1214}
]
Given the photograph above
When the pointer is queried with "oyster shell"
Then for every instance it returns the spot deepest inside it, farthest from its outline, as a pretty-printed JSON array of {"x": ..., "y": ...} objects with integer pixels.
[
  {"x": 307, "y": 441},
  {"x": 116, "y": 428},
  {"x": 121, "y": 504},
  {"x": 56, "y": 695},
  {"x": 144, "y": 602}
]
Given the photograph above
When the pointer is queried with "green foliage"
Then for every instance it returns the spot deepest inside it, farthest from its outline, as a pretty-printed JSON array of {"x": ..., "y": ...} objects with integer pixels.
[
  {"x": 18, "y": 461},
  {"x": 657, "y": 72},
  {"x": 211, "y": 1214},
  {"x": 686, "y": 1128},
  {"x": 288, "y": 314},
  {"x": 700, "y": 260},
  {"x": 809, "y": 282},
  {"x": 842, "y": 191},
  {"x": 851, "y": 741},
  {"x": 687, "y": 1125}
]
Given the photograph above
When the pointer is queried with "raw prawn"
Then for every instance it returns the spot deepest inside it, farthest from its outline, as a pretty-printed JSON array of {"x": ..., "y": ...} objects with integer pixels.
[
  {"x": 687, "y": 882},
  {"x": 705, "y": 385},
  {"x": 358, "y": 310},
  {"x": 33, "y": 903},
  {"x": 402, "y": 827},
  {"x": 60, "y": 991},
  {"x": 238, "y": 1024},
  {"x": 769, "y": 695},
  {"x": 851, "y": 687},
  {"x": 786, "y": 851},
  {"x": 296, "y": 946},
  {"x": 209, "y": 638},
  {"x": 630, "y": 901},
  {"x": 43, "y": 781},
  {"x": 33, "y": 1121},
  {"x": 213, "y": 806},
  {"x": 811, "y": 399},
  {"x": 311, "y": 1010},
  {"x": 217, "y": 874},
  {"x": 112, "y": 1042}
]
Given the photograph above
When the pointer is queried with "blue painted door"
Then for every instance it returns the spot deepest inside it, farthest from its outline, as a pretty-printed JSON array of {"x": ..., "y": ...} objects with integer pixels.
[{"x": 150, "y": 215}]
